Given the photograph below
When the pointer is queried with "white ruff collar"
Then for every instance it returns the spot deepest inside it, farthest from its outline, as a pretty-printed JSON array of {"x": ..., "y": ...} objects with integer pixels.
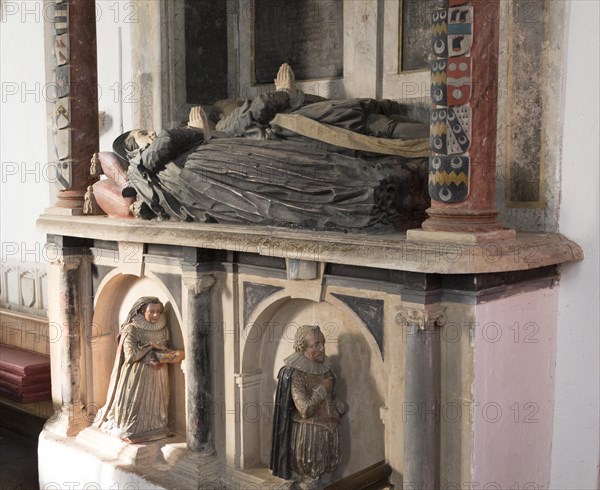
[
  {"x": 302, "y": 363},
  {"x": 141, "y": 322}
]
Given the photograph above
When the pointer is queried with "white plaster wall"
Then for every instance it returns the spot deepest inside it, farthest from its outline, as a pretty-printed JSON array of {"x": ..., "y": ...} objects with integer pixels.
[
  {"x": 26, "y": 182},
  {"x": 575, "y": 448},
  {"x": 24, "y": 188},
  {"x": 116, "y": 94}
]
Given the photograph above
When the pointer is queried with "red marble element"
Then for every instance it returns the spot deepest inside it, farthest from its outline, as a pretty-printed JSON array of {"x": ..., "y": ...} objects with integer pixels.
[
  {"x": 477, "y": 213},
  {"x": 112, "y": 168},
  {"x": 109, "y": 198},
  {"x": 83, "y": 96}
]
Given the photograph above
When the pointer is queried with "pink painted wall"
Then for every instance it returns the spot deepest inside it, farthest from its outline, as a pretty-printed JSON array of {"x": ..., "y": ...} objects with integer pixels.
[{"x": 513, "y": 412}]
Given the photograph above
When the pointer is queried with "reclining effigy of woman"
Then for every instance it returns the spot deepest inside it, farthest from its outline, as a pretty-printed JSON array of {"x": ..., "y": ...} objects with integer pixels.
[{"x": 285, "y": 159}]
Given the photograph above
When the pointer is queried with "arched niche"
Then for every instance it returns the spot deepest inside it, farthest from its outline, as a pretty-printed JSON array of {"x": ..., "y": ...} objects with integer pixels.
[
  {"x": 354, "y": 355},
  {"x": 114, "y": 298}
]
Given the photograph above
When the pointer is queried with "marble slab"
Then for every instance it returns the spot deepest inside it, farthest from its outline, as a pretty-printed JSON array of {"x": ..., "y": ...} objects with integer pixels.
[{"x": 426, "y": 253}]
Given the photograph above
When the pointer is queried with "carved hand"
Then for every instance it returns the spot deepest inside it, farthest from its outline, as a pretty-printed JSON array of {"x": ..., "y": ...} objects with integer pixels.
[
  {"x": 327, "y": 383},
  {"x": 195, "y": 118},
  {"x": 171, "y": 356},
  {"x": 286, "y": 81},
  {"x": 158, "y": 345}
]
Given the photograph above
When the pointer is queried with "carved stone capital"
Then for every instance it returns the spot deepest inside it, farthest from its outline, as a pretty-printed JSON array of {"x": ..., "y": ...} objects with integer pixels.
[
  {"x": 423, "y": 317},
  {"x": 198, "y": 284},
  {"x": 66, "y": 261}
]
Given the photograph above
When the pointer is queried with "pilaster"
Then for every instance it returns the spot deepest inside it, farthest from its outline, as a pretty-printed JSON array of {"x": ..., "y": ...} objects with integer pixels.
[
  {"x": 421, "y": 394},
  {"x": 199, "y": 426},
  {"x": 66, "y": 268}
]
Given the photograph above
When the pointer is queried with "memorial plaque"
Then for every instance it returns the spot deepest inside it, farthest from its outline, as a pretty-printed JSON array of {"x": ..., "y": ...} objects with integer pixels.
[
  {"x": 205, "y": 51},
  {"x": 306, "y": 34},
  {"x": 415, "y": 34}
]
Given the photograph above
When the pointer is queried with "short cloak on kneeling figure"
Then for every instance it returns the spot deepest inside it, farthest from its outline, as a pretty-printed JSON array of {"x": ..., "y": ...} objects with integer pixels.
[
  {"x": 138, "y": 396},
  {"x": 266, "y": 166},
  {"x": 306, "y": 420}
]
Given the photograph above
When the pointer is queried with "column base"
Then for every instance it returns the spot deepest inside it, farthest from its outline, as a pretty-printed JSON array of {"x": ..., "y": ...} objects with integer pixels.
[
  {"x": 461, "y": 220},
  {"x": 69, "y": 421},
  {"x": 192, "y": 468},
  {"x": 69, "y": 203}
]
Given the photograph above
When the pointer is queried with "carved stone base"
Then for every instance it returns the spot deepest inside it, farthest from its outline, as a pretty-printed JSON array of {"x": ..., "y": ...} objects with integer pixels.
[
  {"x": 65, "y": 211},
  {"x": 462, "y": 220},
  {"x": 69, "y": 421},
  {"x": 106, "y": 461},
  {"x": 192, "y": 469},
  {"x": 149, "y": 454},
  {"x": 256, "y": 478}
]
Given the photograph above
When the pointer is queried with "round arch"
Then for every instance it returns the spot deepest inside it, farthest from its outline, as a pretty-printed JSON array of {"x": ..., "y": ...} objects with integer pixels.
[
  {"x": 114, "y": 297},
  {"x": 353, "y": 354}
]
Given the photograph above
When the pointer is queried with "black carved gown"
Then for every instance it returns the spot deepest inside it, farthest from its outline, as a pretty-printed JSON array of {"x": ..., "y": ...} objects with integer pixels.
[{"x": 294, "y": 182}]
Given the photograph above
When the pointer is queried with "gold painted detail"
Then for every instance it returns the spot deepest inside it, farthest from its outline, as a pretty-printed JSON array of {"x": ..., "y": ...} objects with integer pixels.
[
  {"x": 439, "y": 28},
  {"x": 439, "y": 128},
  {"x": 445, "y": 178}
]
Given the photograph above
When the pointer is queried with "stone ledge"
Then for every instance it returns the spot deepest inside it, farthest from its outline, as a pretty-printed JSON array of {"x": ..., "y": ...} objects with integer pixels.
[{"x": 390, "y": 251}]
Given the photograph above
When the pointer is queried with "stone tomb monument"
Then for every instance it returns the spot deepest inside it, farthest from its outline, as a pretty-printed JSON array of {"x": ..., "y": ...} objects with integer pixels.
[{"x": 403, "y": 314}]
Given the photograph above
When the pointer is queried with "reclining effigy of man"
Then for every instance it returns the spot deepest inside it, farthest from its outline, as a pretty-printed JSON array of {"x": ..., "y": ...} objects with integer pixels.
[{"x": 284, "y": 158}]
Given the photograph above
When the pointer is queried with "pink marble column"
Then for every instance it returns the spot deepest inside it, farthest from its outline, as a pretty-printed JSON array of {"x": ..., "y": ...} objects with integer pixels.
[
  {"x": 75, "y": 129},
  {"x": 477, "y": 212}
]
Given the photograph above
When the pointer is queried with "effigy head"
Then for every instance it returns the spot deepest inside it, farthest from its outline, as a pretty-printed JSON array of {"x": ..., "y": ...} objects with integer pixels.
[
  {"x": 131, "y": 142},
  {"x": 310, "y": 341},
  {"x": 139, "y": 139},
  {"x": 149, "y": 306},
  {"x": 152, "y": 311}
]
